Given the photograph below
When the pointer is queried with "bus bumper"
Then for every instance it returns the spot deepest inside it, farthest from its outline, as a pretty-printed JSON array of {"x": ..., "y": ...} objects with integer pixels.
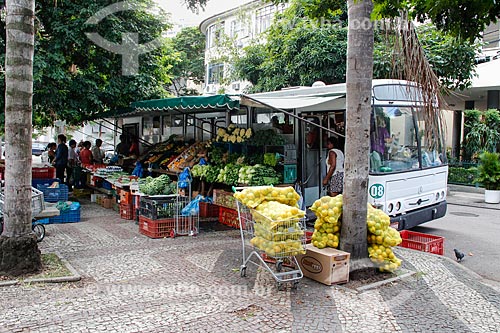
[{"x": 416, "y": 217}]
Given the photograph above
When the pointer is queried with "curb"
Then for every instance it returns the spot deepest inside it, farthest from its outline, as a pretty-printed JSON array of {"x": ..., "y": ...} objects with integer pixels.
[
  {"x": 384, "y": 282},
  {"x": 70, "y": 278}
]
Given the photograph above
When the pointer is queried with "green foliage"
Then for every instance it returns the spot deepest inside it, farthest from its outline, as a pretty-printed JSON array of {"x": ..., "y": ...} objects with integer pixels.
[
  {"x": 300, "y": 50},
  {"x": 461, "y": 175},
  {"x": 190, "y": 45},
  {"x": 452, "y": 60},
  {"x": 489, "y": 170},
  {"x": 482, "y": 132},
  {"x": 74, "y": 79}
]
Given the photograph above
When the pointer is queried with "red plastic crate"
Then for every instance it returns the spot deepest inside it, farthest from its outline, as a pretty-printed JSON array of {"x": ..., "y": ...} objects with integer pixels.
[
  {"x": 43, "y": 173},
  {"x": 422, "y": 242},
  {"x": 208, "y": 209},
  {"x": 229, "y": 217},
  {"x": 156, "y": 228},
  {"x": 126, "y": 211}
]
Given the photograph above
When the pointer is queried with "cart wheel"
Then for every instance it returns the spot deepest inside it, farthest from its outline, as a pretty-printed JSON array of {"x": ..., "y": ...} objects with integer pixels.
[
  {"x": 172, "y": 233},
  {"x": 295, "y": 284},
  {"x": 243, "y": 271},
  {"x": 39, "y": 231},
  {"x": 279, "y": 265}
]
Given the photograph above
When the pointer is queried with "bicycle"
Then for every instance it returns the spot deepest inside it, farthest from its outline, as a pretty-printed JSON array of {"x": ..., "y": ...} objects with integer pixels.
[{"x": 37, "y": 227}]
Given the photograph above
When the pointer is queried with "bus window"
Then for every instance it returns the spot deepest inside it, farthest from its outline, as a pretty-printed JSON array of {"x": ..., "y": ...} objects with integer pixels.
[
  {"x": 430, "y": 157},
  {"x": 393, "y": 141}
]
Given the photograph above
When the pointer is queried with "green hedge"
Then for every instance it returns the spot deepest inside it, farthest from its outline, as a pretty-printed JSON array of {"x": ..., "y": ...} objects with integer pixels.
[{"x": 462, "y": 176}]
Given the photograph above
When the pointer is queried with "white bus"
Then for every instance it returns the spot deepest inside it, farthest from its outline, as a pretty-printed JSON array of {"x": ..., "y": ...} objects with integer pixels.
[{"x": 407, "y": 180}]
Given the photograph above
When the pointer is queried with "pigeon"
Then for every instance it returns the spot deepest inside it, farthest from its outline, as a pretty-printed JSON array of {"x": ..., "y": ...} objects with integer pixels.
[{"x": 459, "y": 255}]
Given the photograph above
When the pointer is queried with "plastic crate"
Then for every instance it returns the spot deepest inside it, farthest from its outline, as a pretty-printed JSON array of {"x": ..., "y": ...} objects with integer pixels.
[
  {"x": 126, "y": 212},
  {"x": 156, "y": 228},
  {"x": 42, "y": 181},
  {"x": 225, "y": 199},
  {"x": 158, "y": 208},
  {"x": 54, "y": 194},
  {"x": 72, "y": 215},
  {"x": 208, "y": 209},
  {"x": 44, "y": 172},
  {"x": 125, "y": 197},
  {"x": 422, "y": 242},
  {"x": 289, "y": 173},
  {"x": 229, "y": 217},
  {"x": 43, "y": 221}
]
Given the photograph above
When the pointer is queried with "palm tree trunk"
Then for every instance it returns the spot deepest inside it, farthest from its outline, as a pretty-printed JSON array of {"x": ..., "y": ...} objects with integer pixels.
[
  {"x": 359, "y": 86},
  {"x": 19, "y": 252}
]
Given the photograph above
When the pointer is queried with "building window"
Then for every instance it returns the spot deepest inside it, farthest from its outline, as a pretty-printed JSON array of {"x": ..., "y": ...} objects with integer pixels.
[
  {"x": 264, "y": 16},
  {"x": 215, "y": 73},
  {"x": 215, "y": 32},
  {"x": 238, "y": 29}
]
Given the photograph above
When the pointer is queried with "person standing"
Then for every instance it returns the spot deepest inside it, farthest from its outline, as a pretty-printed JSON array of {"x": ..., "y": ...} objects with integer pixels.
[
  {"x": 122, "y": 149},
  {"x": 86, "y": 154},
  {"x": 97, "y": 153},
  {"x": 61, "y": 159},
  {"x": 134, "y": 147},
  {"x": 334, "y": 179},
  {"x": 51, "y": 151},
  {"x": 72, "y": 164}
]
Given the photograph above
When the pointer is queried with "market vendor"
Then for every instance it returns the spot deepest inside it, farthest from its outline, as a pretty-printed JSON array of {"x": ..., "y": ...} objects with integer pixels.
[{"x": 122, "y": 148}]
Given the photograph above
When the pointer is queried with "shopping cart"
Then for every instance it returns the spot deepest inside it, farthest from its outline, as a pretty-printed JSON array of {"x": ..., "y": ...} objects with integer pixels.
[
  {"x": 37, "y": 206},
  {"x": 274, "y": 245}
]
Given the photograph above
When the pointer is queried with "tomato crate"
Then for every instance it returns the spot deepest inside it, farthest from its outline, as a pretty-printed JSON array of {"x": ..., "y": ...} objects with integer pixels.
[
  {"x": 44, "y": 172},
  {"x": 126, "y": 211},
  {"x": 224, "y": 198},
  {"x": 229, "y": 217},
  {"x": 422, "y": 242},
  {"x": 208, "y": 209},
  {"x": 156, "y": 228}
]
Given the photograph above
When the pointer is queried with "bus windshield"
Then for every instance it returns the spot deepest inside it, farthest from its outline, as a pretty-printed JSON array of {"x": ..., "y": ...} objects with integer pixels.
[{"x": 394, "y": 146}]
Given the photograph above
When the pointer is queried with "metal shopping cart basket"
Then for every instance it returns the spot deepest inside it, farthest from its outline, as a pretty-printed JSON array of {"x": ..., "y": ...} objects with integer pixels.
[
  {"x": 274, "y": 245},
  {"x": 37, "y": 202}
]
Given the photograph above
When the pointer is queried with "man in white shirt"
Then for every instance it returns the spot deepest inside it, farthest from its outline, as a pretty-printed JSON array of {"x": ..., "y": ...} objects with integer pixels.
[{"x": 97, "y": 153}]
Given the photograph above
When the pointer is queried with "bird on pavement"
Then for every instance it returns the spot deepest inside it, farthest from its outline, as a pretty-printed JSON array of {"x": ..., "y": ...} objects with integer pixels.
[{"x": 459, "y": 255}]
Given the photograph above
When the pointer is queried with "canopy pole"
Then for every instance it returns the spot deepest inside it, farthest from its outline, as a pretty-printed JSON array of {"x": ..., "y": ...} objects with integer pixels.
[{"x": 292, "y": 115}]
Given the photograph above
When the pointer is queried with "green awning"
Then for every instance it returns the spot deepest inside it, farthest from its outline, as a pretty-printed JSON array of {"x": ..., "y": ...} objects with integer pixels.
[{"x": 187, "y": 103}]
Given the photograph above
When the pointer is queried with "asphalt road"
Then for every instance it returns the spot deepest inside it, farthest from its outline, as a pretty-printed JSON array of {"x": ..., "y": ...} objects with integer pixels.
[{"x": 475, "y": 232}]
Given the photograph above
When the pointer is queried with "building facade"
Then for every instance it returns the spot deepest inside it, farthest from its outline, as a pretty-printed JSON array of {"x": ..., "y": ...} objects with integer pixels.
[{"x": 228, "y": 33}]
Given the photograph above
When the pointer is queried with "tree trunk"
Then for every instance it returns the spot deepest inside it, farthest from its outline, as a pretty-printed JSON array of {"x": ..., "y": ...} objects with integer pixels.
[
  {"x": 359, "y": 87},
  {"x": 18, "y": 248}
]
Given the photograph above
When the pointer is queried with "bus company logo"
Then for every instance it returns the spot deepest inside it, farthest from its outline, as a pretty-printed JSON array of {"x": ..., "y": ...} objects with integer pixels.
[{"x": 311, "y": 265}]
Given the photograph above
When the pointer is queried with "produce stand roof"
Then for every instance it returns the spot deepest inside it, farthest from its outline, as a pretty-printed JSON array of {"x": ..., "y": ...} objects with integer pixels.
[
  {"x": 185, "y": 103},
  {"x": 289, "y": 102}
]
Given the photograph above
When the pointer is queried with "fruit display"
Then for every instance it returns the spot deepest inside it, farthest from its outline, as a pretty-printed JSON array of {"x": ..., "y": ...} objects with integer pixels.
[
  {"x": 254, "y": 196},
  {"x": 277, "y": 229},
  {"x": 327, "y": 226},
  {"x": 381, "y": 239},
  {"x": 187, "y": 158},
  {"x": 233, "y": 134}
]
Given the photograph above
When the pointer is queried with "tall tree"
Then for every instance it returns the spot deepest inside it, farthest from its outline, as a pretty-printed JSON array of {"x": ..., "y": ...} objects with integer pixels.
[
  {"x": 190, "y": 44},
  {"x": 75, "y": 79},
  {"x": 18, "y": 248},
  {"x": 359, "y": 77}
]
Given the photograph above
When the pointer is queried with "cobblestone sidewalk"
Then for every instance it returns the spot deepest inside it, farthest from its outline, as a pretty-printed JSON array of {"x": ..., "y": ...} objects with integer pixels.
[{"x": 192, "y": 284}]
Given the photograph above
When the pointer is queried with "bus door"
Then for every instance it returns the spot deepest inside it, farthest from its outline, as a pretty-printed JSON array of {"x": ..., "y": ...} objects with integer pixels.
[{"x": 312, "y": 160}]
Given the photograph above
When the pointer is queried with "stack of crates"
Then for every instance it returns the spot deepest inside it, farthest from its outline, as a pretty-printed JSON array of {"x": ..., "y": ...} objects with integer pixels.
[
  {"x": 54, "y": 194},
  {"x": 126, "y": 208},
  {"x": 160, "y": 217}
]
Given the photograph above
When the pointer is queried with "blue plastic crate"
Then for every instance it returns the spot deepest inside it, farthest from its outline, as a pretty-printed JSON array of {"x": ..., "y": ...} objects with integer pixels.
[
  {"x": 54, "y": 194},
  {"x": 45, "y": 182},
  {"x": 43, "y": 221},
  {"x": 106, "y": 185},
  {"x": 67, "y": 217}
]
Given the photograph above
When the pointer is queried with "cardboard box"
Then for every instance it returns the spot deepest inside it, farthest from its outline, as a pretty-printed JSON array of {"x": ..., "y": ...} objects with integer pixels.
[
  {"x": 328, "y": 265},
  {"x": 108, "y": 202}
]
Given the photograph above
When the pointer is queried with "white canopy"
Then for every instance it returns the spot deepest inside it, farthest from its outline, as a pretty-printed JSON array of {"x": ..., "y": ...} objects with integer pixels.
[
  {"x": 487, "y": 75},
  {"x": 291, "y": 102}
]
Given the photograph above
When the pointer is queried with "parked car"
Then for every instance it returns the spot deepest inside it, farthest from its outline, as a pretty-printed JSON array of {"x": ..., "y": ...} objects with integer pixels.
[{"x": 37, "y": 148}]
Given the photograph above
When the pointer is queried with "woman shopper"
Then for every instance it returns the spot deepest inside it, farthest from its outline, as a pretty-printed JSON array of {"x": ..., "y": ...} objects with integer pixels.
[
  {"x": 72, "y": 164},
  {"x": 334, "y": 179},
  {"x": 61, "y": 159}
]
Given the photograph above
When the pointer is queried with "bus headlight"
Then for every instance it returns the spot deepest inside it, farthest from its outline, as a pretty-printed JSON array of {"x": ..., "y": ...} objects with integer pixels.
[
  {"x": 398, "y": 206},
  {"x": 437, "y": 196},
  {"x": 390, "y": 207},
  {"x": 442, "y": 194}
]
